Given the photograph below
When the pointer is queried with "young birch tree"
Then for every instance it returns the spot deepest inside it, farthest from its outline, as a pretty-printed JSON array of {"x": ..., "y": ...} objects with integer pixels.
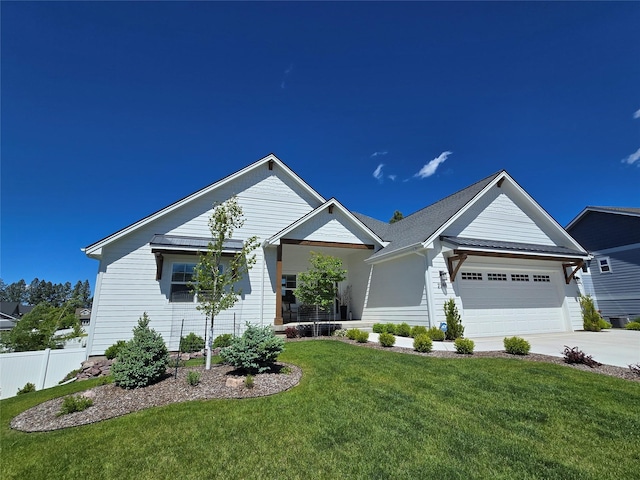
[
  {"x": 215, "y": 280},
  {"x": 319, "y": 284}
]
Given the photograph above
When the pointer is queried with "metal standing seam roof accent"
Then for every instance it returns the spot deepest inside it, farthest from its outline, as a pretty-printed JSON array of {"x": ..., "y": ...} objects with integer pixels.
[
  {"x": 419, "y": 226},
  {"x": 178, "y": 242},
  {"x": 499, "y": 246}
]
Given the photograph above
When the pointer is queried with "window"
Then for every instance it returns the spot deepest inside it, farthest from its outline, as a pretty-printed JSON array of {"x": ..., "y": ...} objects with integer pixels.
[
  {"x": 471, "y": 276},
  {"x": 181, "y": 277},
  {"x": 288, "y": 286},
  {"x": 497, "y": 277},
  {"x": 519, "y": 277},
  {"x": 542, "y": 278},
  {"x": 604, "y": 264}
]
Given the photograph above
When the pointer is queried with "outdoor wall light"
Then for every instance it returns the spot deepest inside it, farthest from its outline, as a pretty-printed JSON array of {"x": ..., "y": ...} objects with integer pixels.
[{"x": 443, "y": 278}]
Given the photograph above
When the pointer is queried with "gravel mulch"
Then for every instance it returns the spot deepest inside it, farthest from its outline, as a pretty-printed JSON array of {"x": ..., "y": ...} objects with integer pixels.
[{"x": 111, "y": 401}]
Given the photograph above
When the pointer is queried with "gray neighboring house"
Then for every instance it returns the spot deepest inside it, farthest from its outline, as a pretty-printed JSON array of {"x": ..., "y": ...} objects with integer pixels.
[
  {"x": 10, "y": 313},
  {"x": 612, "y": 236}
]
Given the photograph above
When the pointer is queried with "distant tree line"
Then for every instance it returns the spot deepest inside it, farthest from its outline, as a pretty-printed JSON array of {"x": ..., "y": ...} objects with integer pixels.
[{"x": 41, "y": 291}]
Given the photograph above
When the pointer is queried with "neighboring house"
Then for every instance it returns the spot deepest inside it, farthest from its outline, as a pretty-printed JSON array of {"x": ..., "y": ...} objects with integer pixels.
[
  {"x": 612, "y": 236},
  {"x": 507, "y": 263},
  {"x": 84, "y": 315},
  {"x": 10, "y": 313}
]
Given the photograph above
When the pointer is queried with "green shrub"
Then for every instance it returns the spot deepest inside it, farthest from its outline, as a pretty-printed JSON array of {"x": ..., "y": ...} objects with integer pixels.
[
  {"x": 516, "y": 346},
  {"x": 28, "y": 388},
  {"x": 113, "y": 350},
  {"x": 352, "y": 333},
  {"x": 403, "y": 330},
  {"x": 223, "y": 341},
  {"x": 632, "y": 325},
  {"x": 454, "y": 322},
  {"x": 391, "y": 328},
  {"x": 193, "y": 378},
  {"x": 379, "y": 328},
  {"x": 436, "y": 334},
  {"x": 143, "y": 360},
  {"x": 603, "y": 324},
  {"x": 590, "y": 317},
  {"x": 464, "y": 346},
  {"x": 248, "y": 381},
  {"x": 362, "y": 336},
  {"x": 255, "y": 351},
  {"x": 423, "y": 343},
  {"x": 191, "y": 343},
  {"x": 418, "y": 330},
  {"x": 74, "y": 403},
  {"x": 387, "y": 340}
]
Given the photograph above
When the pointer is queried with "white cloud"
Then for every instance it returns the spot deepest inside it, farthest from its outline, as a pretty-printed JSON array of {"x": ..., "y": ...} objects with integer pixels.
[
  {"x": 393, "y": 177},
  {"x": 637, "y": 114},
  {"x": 377, "y": 174},
  {"x": 430, "y": 168},
  {"x": 633, "y": 158},
  {"x": 375, "y": 154},
  {"x": 285, "y": 75}
]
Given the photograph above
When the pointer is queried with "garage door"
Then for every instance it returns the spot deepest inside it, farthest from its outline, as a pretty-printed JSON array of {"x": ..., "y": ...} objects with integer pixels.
[{"x": 510, "y": 302}]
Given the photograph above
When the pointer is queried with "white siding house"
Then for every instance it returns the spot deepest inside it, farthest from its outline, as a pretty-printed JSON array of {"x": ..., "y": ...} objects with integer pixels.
[{"x": 491, "y": 247}]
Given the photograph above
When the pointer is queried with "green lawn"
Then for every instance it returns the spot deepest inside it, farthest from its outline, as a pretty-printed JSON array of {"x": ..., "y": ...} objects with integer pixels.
[{"x": 358, "y": 413}]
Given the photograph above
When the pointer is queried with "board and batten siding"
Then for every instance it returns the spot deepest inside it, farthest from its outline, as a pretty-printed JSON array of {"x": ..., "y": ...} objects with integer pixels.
[
  {"x": 495, "y": 216},
  {"x": 397, "y": 292},
  {"x": 127, "y": 287}
]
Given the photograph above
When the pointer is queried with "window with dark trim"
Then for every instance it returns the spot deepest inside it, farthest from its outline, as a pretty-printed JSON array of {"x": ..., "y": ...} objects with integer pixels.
[
  {"x": 604, "y": 264},
  {"x": 181, "y": 278}
]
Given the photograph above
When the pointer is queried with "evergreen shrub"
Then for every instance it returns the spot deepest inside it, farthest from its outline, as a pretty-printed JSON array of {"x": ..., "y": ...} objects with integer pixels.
[
  {"x": 144, "y": 358},
  {"x": 362, "y": 336},
  {"x": 464, "y": 346},
  {"x": 113, "y": 350},
  {"x": 423, "y": 343},
  {"x": 436, "y": 334},
  {"x": 418, "y": 330},
  {"x": 516, "y": 346},
  {"x": 403, "y": 330},
  {"x": 256, "y": 351},
  {"x": 222, "y": 341},
  {"x": 386, "y": 340},
  {"x": 590, "y": 316},
  {"x": 191, "y": 343},
  {"x": 454, "y": 322}
]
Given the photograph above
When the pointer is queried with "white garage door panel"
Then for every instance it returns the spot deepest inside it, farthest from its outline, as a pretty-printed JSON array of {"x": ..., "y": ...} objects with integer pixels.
[{"x": 492, "y": 308}]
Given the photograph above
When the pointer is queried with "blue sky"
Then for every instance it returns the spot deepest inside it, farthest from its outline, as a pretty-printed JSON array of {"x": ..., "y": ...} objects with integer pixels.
[{"x": 111, "y": 111}]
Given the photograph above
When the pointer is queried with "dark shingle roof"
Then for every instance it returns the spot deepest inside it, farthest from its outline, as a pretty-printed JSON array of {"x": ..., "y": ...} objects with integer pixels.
[
  {"x": 498, "y": 245},
  {"x": 419, "y": 226}
]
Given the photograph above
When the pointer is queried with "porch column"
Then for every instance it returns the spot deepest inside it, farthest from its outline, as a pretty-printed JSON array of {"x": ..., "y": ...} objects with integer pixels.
[{"x": 278, "y": 319}]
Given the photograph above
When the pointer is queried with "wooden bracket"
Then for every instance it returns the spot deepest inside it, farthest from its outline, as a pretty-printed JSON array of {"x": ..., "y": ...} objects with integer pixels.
[
  {"x": 453, "y": 270},
  {"x": 159, "y": 263},
  {"x": 578, "y": 265}
]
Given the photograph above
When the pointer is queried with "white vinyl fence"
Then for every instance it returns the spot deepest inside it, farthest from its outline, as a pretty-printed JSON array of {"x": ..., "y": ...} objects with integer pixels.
[{"x": 43, "y": 368}]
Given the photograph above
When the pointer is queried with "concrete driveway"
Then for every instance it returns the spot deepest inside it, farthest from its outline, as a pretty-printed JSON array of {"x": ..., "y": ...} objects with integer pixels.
[{"x": 612, "y": 347}]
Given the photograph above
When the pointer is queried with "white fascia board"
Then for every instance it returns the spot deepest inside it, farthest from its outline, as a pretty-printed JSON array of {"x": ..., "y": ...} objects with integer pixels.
[
  {"x": 275, "y": 239},
  {"x": 93, "y": 250}
]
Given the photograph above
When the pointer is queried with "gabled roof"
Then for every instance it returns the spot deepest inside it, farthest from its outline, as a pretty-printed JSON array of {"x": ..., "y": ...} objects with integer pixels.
[
  {"x": 634, "y": 212},
  {"x": 422, "y": 227},
  {"x": 94, "y": 250},
  {"x": 413, "y": 230},
  {"x": 332, "y": 202}
]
